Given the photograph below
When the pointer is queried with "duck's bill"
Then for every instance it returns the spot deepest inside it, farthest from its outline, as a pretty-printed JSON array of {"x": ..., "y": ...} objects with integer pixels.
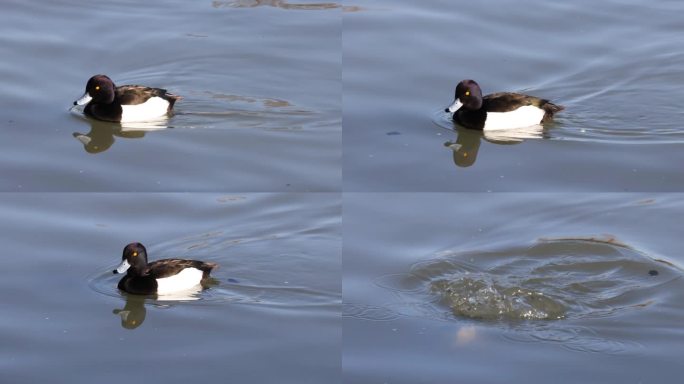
[
  {"x": 85, "y": 99},
  {"x": 84, "y": 139},
  {"x": 455, "y": 106},
  {"x": 123, "y": 267}
]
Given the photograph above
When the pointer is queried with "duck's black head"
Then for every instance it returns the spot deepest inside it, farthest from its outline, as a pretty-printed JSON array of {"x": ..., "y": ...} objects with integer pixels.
[
  {"x": 133, "y": 260},
  {"x": 468, "y": 95},
  {"x": 100, "y": 89}
]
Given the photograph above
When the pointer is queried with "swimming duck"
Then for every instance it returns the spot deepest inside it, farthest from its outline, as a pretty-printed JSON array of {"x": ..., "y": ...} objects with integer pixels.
[
  {"x": 502, "y": 110},
  {"x": 126, "y": 103},
  {"x": 159, "y": 277}
]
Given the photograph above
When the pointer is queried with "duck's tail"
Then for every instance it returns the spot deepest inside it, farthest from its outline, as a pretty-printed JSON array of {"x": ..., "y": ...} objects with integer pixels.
[
  {"x": 171, "y": 98},
  {"x": 206, "y": 268},
  {"x": 550, "y": 108}
]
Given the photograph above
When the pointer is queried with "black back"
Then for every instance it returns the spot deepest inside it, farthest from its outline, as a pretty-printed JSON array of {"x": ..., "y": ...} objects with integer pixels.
[
  {"x": 169, "y": 267},
  {"x": 138, "y": 94}
]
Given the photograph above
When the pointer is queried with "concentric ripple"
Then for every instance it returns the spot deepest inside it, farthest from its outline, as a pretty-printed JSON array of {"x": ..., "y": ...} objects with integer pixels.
[
  {"x": 550, "y": 280},
  {"x": 554, "y": 290},
  {"x": 241, "y": 277}
]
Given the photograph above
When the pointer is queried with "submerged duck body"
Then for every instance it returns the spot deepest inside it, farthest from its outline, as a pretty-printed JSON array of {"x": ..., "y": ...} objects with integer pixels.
[
  {"x": 159, "y": 277},
  {"x": 502, "y": 110},
  {"x": 127, "y": 103}
]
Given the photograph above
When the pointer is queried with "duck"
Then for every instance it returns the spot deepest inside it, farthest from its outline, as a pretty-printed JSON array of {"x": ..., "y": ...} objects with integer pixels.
[
  {"x": 159, "y": 277},
  {"x": 127, "y": 103},
  {"x": 502, "y": 110}
]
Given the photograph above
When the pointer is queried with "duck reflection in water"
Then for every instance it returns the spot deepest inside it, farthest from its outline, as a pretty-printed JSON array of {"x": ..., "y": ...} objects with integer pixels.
[
  {"x": 467, "y": 145},
  {"x": 133, "y": 313},
  {"x": 102, "y": 134}
]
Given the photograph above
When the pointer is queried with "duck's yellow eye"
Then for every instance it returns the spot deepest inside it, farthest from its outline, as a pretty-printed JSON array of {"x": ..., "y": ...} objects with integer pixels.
[
  {"x": 135, "y": 254},
  {"x": 97, "y": 87},
  {"x": 467, "y": 93}
]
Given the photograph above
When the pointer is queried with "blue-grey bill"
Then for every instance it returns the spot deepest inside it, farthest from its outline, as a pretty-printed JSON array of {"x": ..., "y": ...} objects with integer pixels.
[
  {"x": 123, "y": 267},
  {"x": 85, "y": 99},
  {"x": 455, "y": 106}
]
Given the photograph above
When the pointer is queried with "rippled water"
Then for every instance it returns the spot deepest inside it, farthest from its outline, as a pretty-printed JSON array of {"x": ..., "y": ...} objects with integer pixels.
[
  {"x": 438, "y": 287},
  {"x": 552, "y": 279},
  {"x": 260, "y": 82},
  {"x": 275, "y": 297},
  {"x": 452, "y": 284},
  {"x": 614, "y": 65}
]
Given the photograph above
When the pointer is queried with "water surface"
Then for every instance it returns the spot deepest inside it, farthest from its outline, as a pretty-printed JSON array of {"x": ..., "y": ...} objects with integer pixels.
[
  {"x": 438, "y": 286},
  {"x": 614, "y": 65},
  {"x": 260, "y": 83},
  {"x": 274, "y": 301}
]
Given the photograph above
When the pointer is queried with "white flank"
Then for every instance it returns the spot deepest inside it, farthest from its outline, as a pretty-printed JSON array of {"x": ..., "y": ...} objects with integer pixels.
[
  {"x": 522, "y": 117},
  {"x": 185, "y": 279},
  {"x": 152, "y": 108}
]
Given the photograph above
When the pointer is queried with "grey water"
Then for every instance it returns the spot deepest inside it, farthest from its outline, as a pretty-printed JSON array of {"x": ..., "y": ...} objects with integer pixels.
[
  {"x": 545, "y": 287},
  {"x": 260, "y": 83},
  {"x": 311, "y": 159},
  {"x": 614, "y": 65},
  {"x": 275, "y": 300}
]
